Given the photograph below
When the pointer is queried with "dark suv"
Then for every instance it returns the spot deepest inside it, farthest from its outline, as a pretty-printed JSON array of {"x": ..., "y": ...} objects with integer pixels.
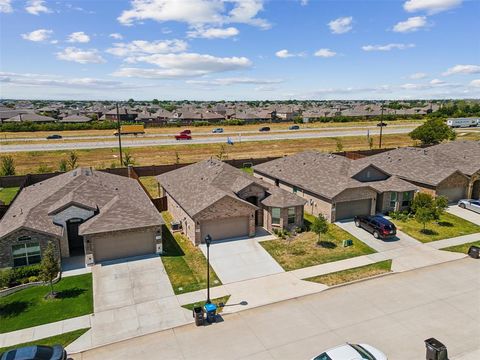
[{"x": 380, "y": 227}]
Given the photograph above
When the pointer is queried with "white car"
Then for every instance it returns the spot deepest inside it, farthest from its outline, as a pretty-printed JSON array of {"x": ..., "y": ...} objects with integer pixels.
[
  {"x": 470, "y": 204},
  {"x": 352, "y": 352}
]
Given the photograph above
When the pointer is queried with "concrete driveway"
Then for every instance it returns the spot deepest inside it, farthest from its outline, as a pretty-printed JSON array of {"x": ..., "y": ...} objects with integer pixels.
[
  {"x": 241, "y": 259},
  {"x": 468, "y": 215}
]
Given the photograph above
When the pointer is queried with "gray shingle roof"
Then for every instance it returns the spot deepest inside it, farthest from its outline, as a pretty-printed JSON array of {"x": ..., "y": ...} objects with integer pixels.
[{"x": 90, "y": 188}]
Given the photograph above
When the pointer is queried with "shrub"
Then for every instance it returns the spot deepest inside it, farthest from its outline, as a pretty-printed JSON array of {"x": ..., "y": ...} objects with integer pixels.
[
  {"x": 21, "y": 275},
  {"x": 400, "y": 215},
  {"x": 6, "y": 276}
]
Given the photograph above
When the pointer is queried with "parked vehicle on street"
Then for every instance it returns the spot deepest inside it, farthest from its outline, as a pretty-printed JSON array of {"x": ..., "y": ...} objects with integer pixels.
[
  {"x": 265, "y": 128},
  {"x": 54, "y": 136},
  {"x": 36, "y": 352},
  {"x": 183, "y": 137},
  {"x": 382, "y": 124},
  {"x": 380, "y": 227},
  {"x": 463, "y": 122},
  {"x": 294, "y": 127},
  {"x": 130, "y": 130},
  {"x": 352, "y": 352},
  {"x": 470, "y": 204},
  {"x": 217, "y": 130},
  {"x": 186, "y": 131}
]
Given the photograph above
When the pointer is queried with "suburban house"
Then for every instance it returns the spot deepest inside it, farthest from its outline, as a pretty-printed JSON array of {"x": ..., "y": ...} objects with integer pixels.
[
  {"x": 336, "y": 186},
  {"x": 84, "y": 212},
  {"x": 450, "y": 169},
  {"x": 212, "y": 197}
]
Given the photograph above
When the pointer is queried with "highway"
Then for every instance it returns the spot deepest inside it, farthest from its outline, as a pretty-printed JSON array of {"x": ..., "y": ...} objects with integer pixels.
[{"x": 210, "y": 139}]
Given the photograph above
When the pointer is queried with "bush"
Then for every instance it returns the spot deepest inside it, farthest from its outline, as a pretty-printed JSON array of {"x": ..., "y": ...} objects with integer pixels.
[
  {"x": 6, "y": 277},
  {"x": 400, "y": 215},
  {"x": 21, "y": 275}
]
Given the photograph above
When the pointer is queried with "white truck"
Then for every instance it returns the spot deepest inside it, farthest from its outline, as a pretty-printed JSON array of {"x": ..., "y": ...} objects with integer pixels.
[{"x": 463, "y": 122}]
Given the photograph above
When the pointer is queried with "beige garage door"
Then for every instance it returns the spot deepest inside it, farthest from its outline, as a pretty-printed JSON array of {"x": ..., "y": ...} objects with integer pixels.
[
  {"x": 349, "y": 209},
  {"x": 121, "y": 245},
  {"x": 453, "y": 194},
  {"x": 225, "y": 228}
]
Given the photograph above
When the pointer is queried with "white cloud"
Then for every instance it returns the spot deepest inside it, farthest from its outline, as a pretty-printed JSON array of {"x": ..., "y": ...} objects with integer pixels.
[
  {"x": 213, "y": 33},
  {"x": 430, "y": 6},
  {"x": 233, "y": 81},
  {"x": 6, "y": 6},
  {"x": 418, "y": 75},
  {"x": 304, "y": 2},
  {"x": 341, "y": 25},
  {"x": 411, "y": 24},
  {"x": 325, "y": 53},
  {"x": 284, "y": 53},
  {"x": 36, "y": 7},
  {"x": 91, "y": 56},
  {"x": 196, "y": 12},
  {"x": 38, "y": 35},
  {"x": 116, "y": 36},
  {"x": 142, "y": 47},
  {"x": 79, "y": 37},
  {"x": 475, "y": 83},
  {"x": 437, "y": 82},
  {"x": 182, "y": 65},
  {"x": 387, "y": 47},
  {"x": 462, "y": 69}
]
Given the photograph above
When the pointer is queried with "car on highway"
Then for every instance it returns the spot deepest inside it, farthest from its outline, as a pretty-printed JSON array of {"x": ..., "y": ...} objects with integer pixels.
[
  {"x": 265, "y": 128},
  {"x": 183, "y": 137},
  {"x": 294, "y": 127},
  {"x": 380, "y": 227},
  {"x": 217, "y": 130},
  {"x": 186, "y": 132},
  {"x": 382, "y": 124},
  {"x": 352, "y": 352},
  {"x": 470, "y": 204},
  {"x": 36, "y": 352},
  {"x": 54, "y": 136}
]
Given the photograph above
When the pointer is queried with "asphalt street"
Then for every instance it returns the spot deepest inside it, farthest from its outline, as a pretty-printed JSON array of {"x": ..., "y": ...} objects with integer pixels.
[{"x": 394, "y": 313}]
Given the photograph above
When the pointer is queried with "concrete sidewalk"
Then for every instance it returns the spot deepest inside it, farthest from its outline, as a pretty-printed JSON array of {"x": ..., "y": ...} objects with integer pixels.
[{"x": 440, "y": 244}]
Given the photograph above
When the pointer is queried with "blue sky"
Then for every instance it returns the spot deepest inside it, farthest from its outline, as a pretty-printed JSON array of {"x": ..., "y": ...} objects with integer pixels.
[{"x": 239, "y": 49}]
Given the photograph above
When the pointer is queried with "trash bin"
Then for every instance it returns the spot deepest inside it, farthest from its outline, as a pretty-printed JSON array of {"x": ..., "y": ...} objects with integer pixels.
[
  {"x": 198, "y": 315},
  {"x": 474, "y": 252},
  {"x": 435, "y": 350},
  {"x": 211, "y": 310}
]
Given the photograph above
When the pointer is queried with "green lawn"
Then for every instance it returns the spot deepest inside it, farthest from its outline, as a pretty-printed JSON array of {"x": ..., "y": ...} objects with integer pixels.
[
  {"x": 447, "y": 227},
  {"x": 151, "y": 184},
  {"x": 361, "y": 272},
  {"x": 27, "y": 308},
  {"x": 7, "y": 194},
  {"x": 185, "y": 263},
  {"x": 462, "y": 248},
  {"x": 248, "y": 170},
  {"x": 216, "y": 301},
  {"x": 304, "y": 250},
  {"x": 63, "y": 339}
]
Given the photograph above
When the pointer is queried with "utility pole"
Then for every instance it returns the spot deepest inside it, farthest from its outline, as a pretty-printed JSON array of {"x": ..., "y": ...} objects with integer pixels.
[
  {"x": 381, "y": 129},
  {"x": 119, "y": 137}
]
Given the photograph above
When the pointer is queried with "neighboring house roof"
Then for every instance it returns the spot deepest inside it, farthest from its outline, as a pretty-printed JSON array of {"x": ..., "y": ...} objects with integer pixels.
[
  {"x": 121, "y": 203},
  {"x": 32, "y": 117},
  {"x": 428, "y": 165},
  {"x": 76, "y": 119},
  {"x": 324, "y": 174},
  {"x": 200, "y": 185}
]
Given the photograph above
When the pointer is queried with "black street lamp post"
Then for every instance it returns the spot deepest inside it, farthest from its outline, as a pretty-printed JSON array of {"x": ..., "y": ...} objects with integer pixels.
[{"x": 208, "y": 241}]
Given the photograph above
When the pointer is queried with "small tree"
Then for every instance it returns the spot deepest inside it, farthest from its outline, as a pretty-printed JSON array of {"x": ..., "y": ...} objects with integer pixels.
[
  {"x": 320, "y": 226},
  {"x": 62, "y": 165},
  {"x": 370, "y": 143},
  {"x": 7, "y": 166},
  {"x": 127, "y": 158},
  {"x": 222, "y": 153},
  {"x": 433, "y": 132},
  {"x": 424, "y": 215},
  {"x": 49, "y": 267},
  {"x": 422, "y": 200},
  {"x": 440, "y": 204},
  {"x": 72, "y": 160},
  {"x": 339, "y": 146}
]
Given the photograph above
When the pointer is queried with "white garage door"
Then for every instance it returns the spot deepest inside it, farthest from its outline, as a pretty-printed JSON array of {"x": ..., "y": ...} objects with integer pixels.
[
  {"x": 225, "y": 228},
  {"x": 453, "y": 194},
  {"x": 348, "y": 209},
  {"x": 121, "y": 245}
]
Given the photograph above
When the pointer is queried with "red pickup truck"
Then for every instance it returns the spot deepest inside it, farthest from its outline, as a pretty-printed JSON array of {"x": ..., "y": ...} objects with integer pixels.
[
  {"x": 185, "y": 132},
  {"x": 182, "y": 136}
]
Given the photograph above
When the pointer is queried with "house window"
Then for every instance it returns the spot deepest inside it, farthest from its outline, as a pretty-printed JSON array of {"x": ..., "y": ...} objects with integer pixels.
[
  {"x": 26, "y": 254},
  {"x": 24, "y": 238},
  {"x": 291, "y": 215},
  {"x": 393, "y": 199},
  {"x": 407, "y": 198},
  {"x": 275, "y": 216}
]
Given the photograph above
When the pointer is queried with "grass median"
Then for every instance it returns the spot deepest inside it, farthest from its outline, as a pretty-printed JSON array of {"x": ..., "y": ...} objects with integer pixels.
[
  {"x": 358, "y": 273},
  {"x": 463, "y": 248}
]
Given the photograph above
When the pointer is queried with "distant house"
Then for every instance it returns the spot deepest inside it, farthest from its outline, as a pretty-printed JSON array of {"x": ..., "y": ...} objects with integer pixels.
[
  {"x": 214, "y": 198},
  {"x": 30, "y": 117},
  {"x": 76, "y": 119},
  {"x": 84, "y": 212},
  {"x": 125, "y": 114}
]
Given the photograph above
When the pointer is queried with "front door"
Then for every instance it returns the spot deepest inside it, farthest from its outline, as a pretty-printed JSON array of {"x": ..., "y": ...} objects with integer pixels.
[
  {"x": 75, "y": 241},
  {"x": 254, "y": 200}
]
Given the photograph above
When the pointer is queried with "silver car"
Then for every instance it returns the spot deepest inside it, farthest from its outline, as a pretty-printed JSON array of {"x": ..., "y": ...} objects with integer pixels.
[{"x": 470, "y": 204}]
